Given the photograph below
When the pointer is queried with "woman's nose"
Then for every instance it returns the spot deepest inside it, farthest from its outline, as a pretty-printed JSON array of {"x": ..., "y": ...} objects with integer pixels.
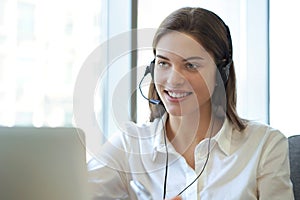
[{"x": 175, "y": 78}]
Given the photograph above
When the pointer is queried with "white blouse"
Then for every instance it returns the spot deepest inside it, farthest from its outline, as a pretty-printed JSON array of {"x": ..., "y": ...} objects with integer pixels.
[{"x": 252, "y": 164}]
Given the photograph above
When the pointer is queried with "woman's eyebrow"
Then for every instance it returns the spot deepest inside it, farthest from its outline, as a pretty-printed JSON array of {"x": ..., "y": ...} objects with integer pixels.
[
  {"x": 193, "y": 58},
  {"x": 162, "y": 57},
  {"x": 184, "y": 59}
]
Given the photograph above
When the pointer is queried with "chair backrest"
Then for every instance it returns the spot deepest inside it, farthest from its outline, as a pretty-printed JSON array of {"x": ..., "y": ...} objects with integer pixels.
[{"x": 294, "y": 153}]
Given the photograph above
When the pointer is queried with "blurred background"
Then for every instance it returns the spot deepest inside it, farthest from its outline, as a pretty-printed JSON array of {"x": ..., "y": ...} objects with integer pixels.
[{"x": 43, "y": 45}]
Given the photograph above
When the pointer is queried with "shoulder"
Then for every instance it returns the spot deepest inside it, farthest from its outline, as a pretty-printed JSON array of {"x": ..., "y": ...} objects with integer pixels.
[
  {"x": 258, "y": 135},
  {"x": 140, "y": 131},
  {"x": 263, "y": 134},
  {"x": 133, "y": 128},
  {"x": 131, "y": 135},
  {"x": 127, "y": 142},
  {"x": 262, "y": 129},
  {"x": 259, "y": 140}
]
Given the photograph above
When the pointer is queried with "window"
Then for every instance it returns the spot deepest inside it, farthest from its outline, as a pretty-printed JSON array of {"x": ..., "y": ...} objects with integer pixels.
[
  {"x": 284, "y": 66},
  {"x": 25, "y": 22},
  {"x": 2, "y": 9},
  {"x": 42, "y": 47}
]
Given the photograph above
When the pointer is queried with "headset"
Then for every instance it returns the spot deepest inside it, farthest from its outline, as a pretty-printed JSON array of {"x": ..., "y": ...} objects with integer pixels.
[
  {"x": 224, "y": 67},
  {"x": 149, "y": 69},
  {"x": 224, "y": 70}
]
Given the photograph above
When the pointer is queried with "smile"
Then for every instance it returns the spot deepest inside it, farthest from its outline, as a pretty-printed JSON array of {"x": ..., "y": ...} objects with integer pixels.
[{"x": 178, "y": 95}]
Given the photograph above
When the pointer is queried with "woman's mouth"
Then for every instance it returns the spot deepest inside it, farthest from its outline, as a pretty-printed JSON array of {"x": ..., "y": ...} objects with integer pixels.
[{"x": 177, "y": 94}]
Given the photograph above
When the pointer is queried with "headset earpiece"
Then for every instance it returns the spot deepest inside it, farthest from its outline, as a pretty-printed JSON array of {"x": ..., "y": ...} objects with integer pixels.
[
  {"x": 224, "y": 71},
  {"x": 150, "y": 69}
]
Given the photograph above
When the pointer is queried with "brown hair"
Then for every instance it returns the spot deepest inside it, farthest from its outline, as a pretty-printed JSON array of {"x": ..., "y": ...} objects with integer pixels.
[{"x": 213, "y": 34}]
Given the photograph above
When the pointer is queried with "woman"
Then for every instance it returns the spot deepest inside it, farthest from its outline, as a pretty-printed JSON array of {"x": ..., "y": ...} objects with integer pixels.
[{"x": 196, "y": 146}]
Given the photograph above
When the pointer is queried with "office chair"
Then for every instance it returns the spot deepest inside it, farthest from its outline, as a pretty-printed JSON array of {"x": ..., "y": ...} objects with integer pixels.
[{"x": 294, "y": 155}]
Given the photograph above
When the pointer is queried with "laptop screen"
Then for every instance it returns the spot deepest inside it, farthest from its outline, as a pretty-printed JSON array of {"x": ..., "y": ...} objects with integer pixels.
[{"x": 42, "y": 164}]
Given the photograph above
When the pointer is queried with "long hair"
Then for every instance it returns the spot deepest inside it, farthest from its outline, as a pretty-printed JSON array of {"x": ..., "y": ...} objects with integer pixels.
[{"x": 212, "y": 33}]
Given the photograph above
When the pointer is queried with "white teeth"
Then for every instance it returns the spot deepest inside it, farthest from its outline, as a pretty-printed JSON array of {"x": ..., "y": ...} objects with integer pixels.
[{"x": 178, "y": 95}]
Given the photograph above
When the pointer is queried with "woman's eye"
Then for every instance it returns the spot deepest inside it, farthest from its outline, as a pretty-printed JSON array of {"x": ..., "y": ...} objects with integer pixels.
[
  {"x": 192, "y": 66},
  {"x": 163, "y": 64}
]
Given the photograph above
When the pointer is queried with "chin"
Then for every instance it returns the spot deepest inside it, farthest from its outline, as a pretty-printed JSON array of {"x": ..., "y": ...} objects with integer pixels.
[
  {"x": 179, "y": 113},
  {"x": 183, "y": 111},
  {"x": 174, "y": 112}
]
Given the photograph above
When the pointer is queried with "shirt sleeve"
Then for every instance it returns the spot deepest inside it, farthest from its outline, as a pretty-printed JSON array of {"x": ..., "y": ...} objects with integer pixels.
[
  {"x": 105, "y": 183},
  {"x": 106, "y": 173},
  {"x": 274, "y": 170}
]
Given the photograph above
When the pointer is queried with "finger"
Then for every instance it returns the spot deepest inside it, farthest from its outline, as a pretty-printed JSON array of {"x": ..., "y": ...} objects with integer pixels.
[{"x": 175, "y": 198}]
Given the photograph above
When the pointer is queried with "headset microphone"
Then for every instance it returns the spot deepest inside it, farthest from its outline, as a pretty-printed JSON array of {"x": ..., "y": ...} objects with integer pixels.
[{"x": 149, "y": 69}]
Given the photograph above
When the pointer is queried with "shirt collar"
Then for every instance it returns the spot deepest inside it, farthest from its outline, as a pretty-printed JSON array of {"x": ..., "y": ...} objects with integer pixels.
[
  {"x": 159, "y": 142},
  {"x": 222, "y": 138}
]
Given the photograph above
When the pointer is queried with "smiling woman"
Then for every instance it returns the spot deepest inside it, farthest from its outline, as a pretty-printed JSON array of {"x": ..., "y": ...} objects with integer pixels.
[
  {"x": 196, "y": 146},
  {"x": 184, "y": 74},
  {"x": 248, "y": 22}
]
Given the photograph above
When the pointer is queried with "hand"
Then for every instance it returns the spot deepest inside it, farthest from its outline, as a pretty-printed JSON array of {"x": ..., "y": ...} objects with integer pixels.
[{"x": 175, "y": 198}]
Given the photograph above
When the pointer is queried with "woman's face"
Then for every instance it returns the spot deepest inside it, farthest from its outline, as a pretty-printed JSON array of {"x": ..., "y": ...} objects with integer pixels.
[{"x": 184, "y": 74}]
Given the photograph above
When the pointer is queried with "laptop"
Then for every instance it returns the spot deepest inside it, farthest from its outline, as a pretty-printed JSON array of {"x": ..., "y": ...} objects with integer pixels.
[{"x": 42, "y": 164}]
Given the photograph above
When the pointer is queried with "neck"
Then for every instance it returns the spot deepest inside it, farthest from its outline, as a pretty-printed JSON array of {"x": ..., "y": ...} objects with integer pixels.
[
  {"x": 187, "y": 131},
  {"x": 191, "y": 127}
]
